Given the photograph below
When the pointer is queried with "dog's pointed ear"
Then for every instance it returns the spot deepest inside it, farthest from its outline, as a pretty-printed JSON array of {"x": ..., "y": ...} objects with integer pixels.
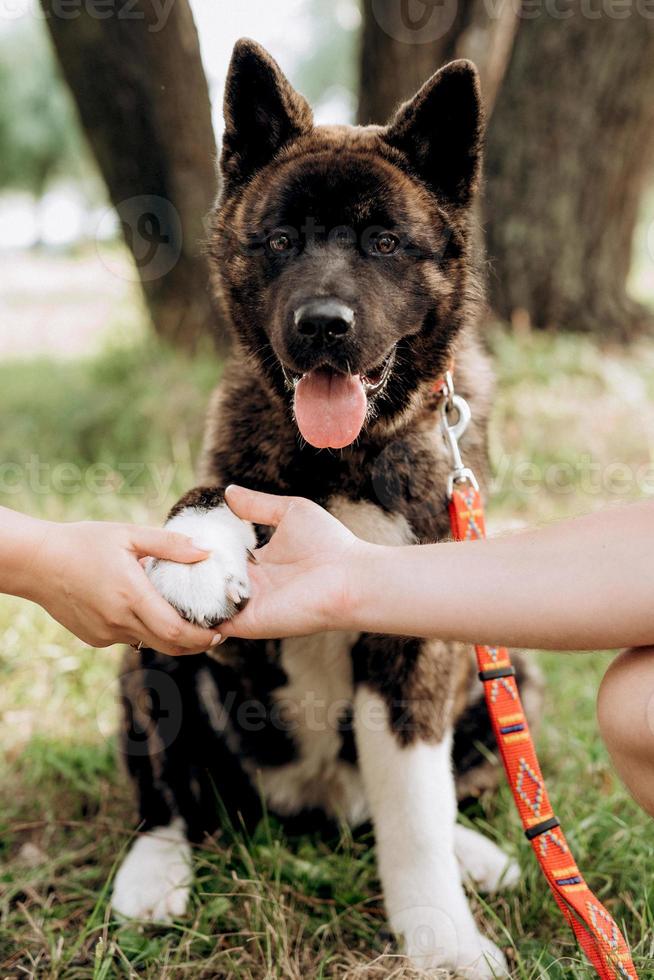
[
  {"x": 440, "y": 132},
  {"x": 263, "y": 112}
]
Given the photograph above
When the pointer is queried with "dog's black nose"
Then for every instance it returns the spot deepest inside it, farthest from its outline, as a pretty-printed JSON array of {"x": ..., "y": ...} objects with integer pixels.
[{"x": 324, "y": 322}]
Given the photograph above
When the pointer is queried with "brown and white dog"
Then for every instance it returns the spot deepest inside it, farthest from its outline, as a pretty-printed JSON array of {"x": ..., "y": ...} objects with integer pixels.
[{"x": 343, "y": 255}]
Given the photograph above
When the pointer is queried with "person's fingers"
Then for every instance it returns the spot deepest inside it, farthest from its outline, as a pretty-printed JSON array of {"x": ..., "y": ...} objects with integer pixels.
[
  {"x": 159, "y": 543},
  {"x": 172, "y": 633},
  {"x": 145, "y": 639},
  {"x": 154, "y": 641},
  {"x": 265, "y": 616},
  {"x": 131, "y": 632},
  {"x": 241, "y": 626},
  {"x": 262, "y": 620},
  {"x": 261, "y": 508}
]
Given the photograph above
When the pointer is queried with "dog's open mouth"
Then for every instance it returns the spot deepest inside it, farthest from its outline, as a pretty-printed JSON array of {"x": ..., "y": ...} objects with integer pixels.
[{"x": 331, "y": 406}]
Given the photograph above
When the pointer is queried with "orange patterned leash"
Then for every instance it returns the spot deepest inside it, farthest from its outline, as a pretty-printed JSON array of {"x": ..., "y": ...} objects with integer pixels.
[{"x": 594, "y": 927}]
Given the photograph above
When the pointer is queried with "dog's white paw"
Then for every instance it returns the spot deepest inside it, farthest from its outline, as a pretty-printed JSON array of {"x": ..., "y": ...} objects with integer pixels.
[
  {"x": 434, "y": 940},
  {"x": 209, "y": 591},
  {"x": 492, "y": 963},
  {"x": 483, "y": 862},
  {"x": 153, "y": 882}
]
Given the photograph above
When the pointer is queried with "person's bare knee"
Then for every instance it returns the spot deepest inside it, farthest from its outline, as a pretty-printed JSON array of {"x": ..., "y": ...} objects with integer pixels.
[
  {"x": 625, "y": 703},
  {"x": 625, "y": 710}
]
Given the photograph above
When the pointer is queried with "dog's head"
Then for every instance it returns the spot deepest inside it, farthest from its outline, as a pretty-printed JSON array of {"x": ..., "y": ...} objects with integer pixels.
[{"x": 342, "y": 252}]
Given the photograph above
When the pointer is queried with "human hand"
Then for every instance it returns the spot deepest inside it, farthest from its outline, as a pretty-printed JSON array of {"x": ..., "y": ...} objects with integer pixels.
[
  {"x": 88, "y": 576},
  {"x": 305, "y": 577}
]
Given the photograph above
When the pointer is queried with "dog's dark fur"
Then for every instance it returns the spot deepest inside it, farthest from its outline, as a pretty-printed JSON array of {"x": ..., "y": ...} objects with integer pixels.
[{"x": 417, "y": 178}]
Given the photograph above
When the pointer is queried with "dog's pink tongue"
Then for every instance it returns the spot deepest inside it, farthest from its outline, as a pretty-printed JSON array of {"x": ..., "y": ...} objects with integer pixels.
[{"x": 330, "y": 408}]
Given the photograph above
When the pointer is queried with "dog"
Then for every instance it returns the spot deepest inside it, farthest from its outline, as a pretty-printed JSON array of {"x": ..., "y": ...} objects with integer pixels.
[{"x": 344, "y": 257}]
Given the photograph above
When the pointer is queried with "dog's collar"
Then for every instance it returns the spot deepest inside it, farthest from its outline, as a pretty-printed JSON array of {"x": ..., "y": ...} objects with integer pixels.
[{"x": 443, "y": 385}]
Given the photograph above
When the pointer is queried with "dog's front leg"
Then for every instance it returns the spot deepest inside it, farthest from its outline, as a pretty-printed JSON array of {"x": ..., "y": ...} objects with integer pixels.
[
  {"x": 410, "y": 790},
  {"x": 209, "y": 591}
]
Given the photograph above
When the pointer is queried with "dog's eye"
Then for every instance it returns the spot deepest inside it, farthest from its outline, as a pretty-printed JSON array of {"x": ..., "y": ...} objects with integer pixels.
[
  {"x": 279, "y": 241},
  {"x": 386, "y": 243}
]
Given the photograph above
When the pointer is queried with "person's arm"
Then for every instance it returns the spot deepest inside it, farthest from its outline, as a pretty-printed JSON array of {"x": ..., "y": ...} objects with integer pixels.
[
  {"x": 89, "y": 578},
  {"x": 581, "y": 584}
]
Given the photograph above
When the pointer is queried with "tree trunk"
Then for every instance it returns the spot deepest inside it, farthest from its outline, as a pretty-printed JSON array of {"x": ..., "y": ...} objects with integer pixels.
[
  {"x": 142, "y": 96},
  {"x": 406, "y": 41},
  {"x": 570, "y": 146}
]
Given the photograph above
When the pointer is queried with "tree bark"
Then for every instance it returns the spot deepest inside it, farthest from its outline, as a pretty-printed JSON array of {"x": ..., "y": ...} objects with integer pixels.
[
  {"x": 406, "y": 41},
  {"x": 137, "y": 79},
  {"x": 570, "y": 146}
]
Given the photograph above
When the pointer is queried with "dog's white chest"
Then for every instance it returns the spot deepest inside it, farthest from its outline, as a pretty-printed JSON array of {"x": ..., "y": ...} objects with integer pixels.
[
  {"x": 316, "y": 702},
  {"x": 313, "y": 707}
]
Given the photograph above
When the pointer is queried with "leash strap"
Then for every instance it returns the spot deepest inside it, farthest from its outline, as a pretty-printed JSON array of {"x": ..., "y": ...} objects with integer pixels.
[{"x": 595, "y": 929}]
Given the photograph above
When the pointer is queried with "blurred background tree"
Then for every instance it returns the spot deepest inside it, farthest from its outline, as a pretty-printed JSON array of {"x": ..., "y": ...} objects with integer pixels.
[
  {"x": 143, "y": 101},
  {"x": 40, "y": 140},
  {"x": 38, "y": 136},
  {"x": 403, "y": 44},
  {"x": 570, "y": 141},
  {"x": 570, "y": 152},
  {"x": 570, "y": 144}
]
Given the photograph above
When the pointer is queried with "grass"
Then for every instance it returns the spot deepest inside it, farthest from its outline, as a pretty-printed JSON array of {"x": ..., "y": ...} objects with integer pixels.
[{"x": 114, "y": 437}]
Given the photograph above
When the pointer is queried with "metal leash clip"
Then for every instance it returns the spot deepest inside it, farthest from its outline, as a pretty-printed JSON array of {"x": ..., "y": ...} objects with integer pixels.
[{"x": 453, "y": 404}]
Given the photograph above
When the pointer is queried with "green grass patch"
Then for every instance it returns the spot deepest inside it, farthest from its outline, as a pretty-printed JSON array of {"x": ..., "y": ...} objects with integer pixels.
[{"x": 272, "y": 907}]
